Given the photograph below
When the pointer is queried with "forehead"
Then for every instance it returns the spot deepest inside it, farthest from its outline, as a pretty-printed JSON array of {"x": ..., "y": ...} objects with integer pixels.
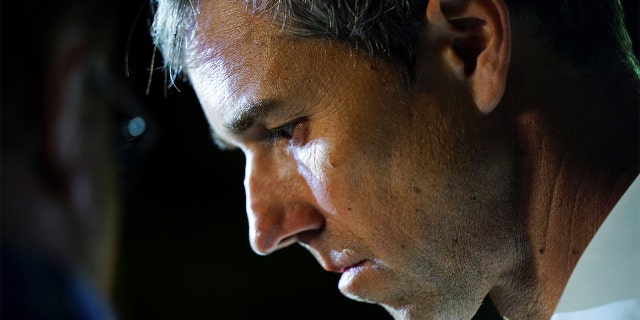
[
  {"x": 229, "y": 36},
  {"x": 229, "y": 46},
  {"x": 237, "y": 58},
  {"x": 226, "y": 26}
]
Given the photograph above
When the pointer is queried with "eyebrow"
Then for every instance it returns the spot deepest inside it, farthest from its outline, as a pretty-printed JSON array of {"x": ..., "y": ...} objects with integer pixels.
[
  {"x": 243, "y": 120},
  {"x": 248, "y": 114}
]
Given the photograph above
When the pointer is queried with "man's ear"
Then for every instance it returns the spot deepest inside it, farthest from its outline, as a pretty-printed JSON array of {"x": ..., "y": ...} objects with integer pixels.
[{"x": 477, "y": 38}]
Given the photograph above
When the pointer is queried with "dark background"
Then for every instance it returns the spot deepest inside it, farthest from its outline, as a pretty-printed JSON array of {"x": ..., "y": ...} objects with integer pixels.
[{"x": 184, "y": 251}]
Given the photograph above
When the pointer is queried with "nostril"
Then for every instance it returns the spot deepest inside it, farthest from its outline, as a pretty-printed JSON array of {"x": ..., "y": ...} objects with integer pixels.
[
  {"x": 307, "y": 237},
  {"x": 262, "y": 242},
  {"x": 275, "y": 229},
  {"x": 286, "y": 241}
]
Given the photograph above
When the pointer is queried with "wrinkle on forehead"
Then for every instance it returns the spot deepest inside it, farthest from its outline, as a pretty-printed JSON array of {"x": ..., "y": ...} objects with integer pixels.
[
  {"x": 233, "y": 46},
  {"x": 217, "y": 55},
  {"x": 232, "y": 29}
]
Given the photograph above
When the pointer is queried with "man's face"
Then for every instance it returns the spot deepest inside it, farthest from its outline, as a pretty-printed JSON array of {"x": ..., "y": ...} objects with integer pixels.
[{"x": 402, "y": 188}]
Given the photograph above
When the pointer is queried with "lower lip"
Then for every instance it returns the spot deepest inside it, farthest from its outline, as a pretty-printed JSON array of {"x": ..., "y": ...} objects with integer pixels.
[
  {"x": 349, "y": 284},
  {"x": 351, "y": 268},
  {"x": 349, "y": 273}
]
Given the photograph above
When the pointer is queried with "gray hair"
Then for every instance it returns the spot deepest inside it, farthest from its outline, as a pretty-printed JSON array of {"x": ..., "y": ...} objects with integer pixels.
[
  {"x": 170, "y": 23},
  {"x": 590, "y": 32},
  {"x": 383, "y": 28}
]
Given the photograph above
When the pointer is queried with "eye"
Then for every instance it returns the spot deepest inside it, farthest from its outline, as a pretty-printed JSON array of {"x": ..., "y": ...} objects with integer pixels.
[{"x": 293, "y": 131}]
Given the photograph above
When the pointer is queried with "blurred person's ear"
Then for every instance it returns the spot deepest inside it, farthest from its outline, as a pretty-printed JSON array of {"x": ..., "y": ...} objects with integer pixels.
[
  {"x": 62, "y": 109},
  {"x": 78, "y": 156},
  {"x": 477, "y": 44}
]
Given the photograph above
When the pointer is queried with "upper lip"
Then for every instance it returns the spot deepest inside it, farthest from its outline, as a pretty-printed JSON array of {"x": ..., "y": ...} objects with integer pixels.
[
  {"x": 340, "y": 261},
  {"x": 338, "y": 268},
  {"x": 334, "y": 260},
  {"x": 351, "y": 266}
]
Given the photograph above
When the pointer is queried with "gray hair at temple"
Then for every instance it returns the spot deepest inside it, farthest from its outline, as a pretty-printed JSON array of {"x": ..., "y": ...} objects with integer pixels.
[{"x": 589, "y": 32}]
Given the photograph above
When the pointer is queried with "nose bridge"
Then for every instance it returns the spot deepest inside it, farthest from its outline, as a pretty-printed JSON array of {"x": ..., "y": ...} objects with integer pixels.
[
  {"x": 261, "y": 182},
  {"x": 277, "y": 206},
  {"x": 257, "y": 179}
]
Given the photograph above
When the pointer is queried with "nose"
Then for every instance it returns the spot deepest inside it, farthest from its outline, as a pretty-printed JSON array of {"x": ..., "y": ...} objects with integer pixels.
[{"x": 280, "y": 205}]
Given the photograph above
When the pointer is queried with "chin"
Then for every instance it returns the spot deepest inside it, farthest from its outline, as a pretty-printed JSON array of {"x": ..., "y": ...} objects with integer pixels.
[
  {"x": 364, "y": 283},
  {"x": 411, "y": 312},
  {"x": 429, "y": 306},
  {"x": 417, "y": 312}
]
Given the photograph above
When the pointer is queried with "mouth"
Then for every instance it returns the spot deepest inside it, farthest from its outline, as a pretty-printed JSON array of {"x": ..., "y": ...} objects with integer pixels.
[
  {"x": 341, "y": 261},
  {"x": 353, "y": 267},
  {"x": 344, "y": 261},
  {"x": 359, "y": 282}
]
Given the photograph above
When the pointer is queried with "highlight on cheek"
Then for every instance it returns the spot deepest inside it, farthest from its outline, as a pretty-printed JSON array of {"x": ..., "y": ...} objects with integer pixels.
[{"x": 312, "y": 161}]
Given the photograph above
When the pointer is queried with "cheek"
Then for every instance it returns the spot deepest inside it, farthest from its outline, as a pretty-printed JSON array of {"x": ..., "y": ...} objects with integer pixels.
[
  {"x": 335, "y": 182},
  {"x": 313, "y": 165}
]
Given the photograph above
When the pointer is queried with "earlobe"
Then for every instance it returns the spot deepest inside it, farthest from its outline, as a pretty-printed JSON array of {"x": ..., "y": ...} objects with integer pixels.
[{"x": 479, "y": 44}]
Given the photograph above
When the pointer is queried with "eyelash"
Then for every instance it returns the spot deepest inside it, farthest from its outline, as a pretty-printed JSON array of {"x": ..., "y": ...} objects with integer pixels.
[{"x": 284, "y": 132}]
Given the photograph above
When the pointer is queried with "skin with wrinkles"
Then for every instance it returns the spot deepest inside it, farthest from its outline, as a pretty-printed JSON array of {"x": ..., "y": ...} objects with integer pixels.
[
  {"x": 357, "y": 123},
  {"x": 468, "y": 169}
]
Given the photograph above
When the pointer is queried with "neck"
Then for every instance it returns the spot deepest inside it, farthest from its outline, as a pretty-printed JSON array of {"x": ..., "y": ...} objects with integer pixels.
[{"x": 576, "y": 157}]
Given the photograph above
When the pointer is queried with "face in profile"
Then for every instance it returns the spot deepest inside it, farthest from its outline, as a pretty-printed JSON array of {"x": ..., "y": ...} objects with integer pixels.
[{"x": 398, "y": 185}]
